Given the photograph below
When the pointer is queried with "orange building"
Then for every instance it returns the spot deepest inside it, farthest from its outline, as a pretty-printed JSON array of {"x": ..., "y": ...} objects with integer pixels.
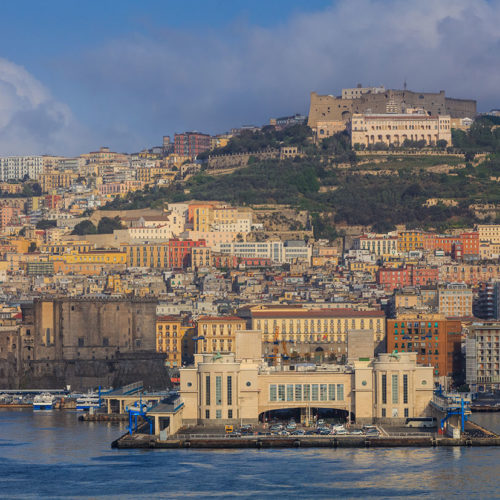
[{"x": 435, "y": 339}]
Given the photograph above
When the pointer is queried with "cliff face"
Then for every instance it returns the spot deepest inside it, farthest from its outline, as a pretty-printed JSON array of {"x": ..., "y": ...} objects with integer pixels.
[{"x": 84, "y": 343}]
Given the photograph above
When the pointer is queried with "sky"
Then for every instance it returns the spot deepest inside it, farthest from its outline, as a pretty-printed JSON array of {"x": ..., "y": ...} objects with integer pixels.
[{"x": 76, "y": 75}]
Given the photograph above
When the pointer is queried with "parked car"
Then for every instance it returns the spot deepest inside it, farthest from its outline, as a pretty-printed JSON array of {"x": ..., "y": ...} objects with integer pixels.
[
  {"x": 276, "y": 428},
  {"x": 291, "y": 426},
  {"x": 283, "y": 433},
  {"x": 299, "y": 432},
  {"x": 321, "y": 422},
  {"x": 356, "y": 432},
  {"x": 340, "y": 432}
]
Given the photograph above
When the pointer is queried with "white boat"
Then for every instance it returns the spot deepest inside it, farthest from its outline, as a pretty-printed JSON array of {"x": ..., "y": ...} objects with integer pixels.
[
  {"x": 43, "y": 402},
  {"x": 87, "y": 401}
]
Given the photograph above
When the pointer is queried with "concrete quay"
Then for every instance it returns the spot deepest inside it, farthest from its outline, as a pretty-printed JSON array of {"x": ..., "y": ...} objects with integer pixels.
[{"x": 260, "y": 442}]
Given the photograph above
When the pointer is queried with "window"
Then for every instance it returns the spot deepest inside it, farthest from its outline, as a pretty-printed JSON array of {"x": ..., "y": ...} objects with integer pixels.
[
  {"x": 407, "y": 412},
  {"x": 207, "y": 414},
  {"x": 298, "y": 392},
  {"x": 207, "y": 390},
  {"x": 323, "y": 392},
  {"x": 281, "y": 392},
  {"x": 105, "y": 341},
  {"x": 307, "y": 392},
  {"x": 272, "y": 393},
  {"x": 331, "y": 392},
  {"x": 229, "y": 413},
  {"x": 340, "y": 392},
  {"x": 218, "y": 390},
  {"x": 81, "y": 341},
  {"x": 405, "y": 390},
  {"x": 229, "y": 390},
  {"x": 384, "y": 389},
  {"x": 289, "y": 392},
  {"x": 395, "y": 390},
  {"x": 315, "y": 392},
  {"x": 218, "y": 414}
]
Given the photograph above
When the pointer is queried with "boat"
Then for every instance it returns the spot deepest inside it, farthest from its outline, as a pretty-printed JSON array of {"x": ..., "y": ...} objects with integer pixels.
[
  {"x": 87, "y": 401},
  {"x": 44, "y": 402}
]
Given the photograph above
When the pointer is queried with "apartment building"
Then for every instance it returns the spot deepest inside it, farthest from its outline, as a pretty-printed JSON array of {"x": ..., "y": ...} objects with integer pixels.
[
  {"x": 435, "y": 339},
  {"x": 191, "y": 144},
  {"x": 17, "y": 167},
  {"x": 174, "y": 336},
  {"x": 216, "y": 334},
  {"x": 380, "y": 245},
  {"x": 455, "y": 300},
  {"x": 482, "y": 346}
]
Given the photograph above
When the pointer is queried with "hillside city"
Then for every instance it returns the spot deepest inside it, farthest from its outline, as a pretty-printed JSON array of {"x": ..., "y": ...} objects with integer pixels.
[{"x": 368, "y": 229}]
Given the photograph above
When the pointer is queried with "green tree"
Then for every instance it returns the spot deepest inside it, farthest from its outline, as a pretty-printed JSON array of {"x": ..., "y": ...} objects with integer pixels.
[
  {"x": 84, "y": 227},
  {"x": 32, "y": 247},
  {"x": 46, "y": 224},
  {"x": 107, "y": 225}
]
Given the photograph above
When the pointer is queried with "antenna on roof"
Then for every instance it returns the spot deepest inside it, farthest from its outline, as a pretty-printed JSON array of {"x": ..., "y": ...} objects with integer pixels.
[{"x": 404, "y": 84}]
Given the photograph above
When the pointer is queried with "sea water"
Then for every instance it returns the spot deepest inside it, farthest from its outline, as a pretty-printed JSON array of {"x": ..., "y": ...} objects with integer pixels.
[{"x": 54, "y": 455}]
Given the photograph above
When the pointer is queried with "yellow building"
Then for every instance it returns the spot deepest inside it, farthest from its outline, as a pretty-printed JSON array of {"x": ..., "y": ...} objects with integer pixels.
[
  {"x": 54, "y": 180},
  {"x": 409, "y": 241},
  {"x": 175, "y": 338},
  {"x": 394, "y": 129},
  {"x": 217, "y": 333},
  {"x": 147, "y": 255},
  {"x": 61, "y": 247},
  {"x": 299, "y": 324},
  {"x": 201, "y": 257},
  {"x": 89, "y": 263}
]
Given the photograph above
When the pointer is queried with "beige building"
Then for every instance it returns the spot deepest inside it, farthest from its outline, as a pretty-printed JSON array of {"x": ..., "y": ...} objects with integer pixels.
[
  {"x": 455, "y": 300},
  {"x": 216, "y": 334},
  {"x": 483, "y": 356},
  {"x": 489, "y": 232},
  {"x": 240, "y": 388},
  {"x": 395, "y": 129},
  {"x": 316, "y": 333}
]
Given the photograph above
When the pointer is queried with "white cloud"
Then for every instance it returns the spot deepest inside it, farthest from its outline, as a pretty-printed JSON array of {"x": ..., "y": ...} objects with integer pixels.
[{"x": 31, "y": 120}]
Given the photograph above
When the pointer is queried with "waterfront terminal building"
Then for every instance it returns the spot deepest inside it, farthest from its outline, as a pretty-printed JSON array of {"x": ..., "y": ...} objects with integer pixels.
[{"x": 240, "y": 387}]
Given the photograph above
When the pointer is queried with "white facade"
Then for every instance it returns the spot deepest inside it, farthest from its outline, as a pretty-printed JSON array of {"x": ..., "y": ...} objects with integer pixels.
[
  {"x": 255, "y": 249},
  {"x": 16, "y": 167}
]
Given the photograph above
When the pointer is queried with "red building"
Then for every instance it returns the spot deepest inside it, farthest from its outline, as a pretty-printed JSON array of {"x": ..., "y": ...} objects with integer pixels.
[
  {"x": 191, "y": 144},
  {"x": 179, "y": 252},
  {"x": 399, "y": 277}
]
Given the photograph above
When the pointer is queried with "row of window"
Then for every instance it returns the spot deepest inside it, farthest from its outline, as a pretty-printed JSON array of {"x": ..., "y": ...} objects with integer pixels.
[
  {"x": 306, "y": 392},
  {"x": 218, "y": 390},
  {"x": 394, "y": 389}
]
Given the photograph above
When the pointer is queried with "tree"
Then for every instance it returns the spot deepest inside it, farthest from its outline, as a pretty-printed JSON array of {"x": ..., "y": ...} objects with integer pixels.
[
  {"x": 32, "y": 247},
  {"x": 107, "y": 225},
  {"x": 441, "y": 144},
  {"x": 84, "y": 227},
  {"x": 46, "y": 224}
]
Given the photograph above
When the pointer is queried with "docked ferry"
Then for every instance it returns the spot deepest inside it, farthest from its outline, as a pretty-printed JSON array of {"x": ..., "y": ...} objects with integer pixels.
[
  {"x": 43, "y": 402},
  {"x": 87, "y": 401}
]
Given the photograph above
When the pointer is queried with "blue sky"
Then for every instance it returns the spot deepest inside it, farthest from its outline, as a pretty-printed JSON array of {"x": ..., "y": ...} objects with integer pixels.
[{"x": 75, "y": 75}]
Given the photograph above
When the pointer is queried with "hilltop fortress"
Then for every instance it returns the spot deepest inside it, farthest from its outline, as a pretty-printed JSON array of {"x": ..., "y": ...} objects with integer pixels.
[{"x": 378, "y": 100}]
